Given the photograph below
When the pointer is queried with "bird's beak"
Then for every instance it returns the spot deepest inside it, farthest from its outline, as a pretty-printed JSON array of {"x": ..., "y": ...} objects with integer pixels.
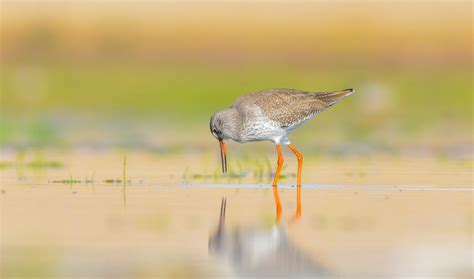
[{"x": 223, "y": 155}]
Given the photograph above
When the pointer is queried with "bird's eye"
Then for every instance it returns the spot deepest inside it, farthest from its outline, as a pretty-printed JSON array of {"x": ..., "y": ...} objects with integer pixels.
[{"x": 214, "y": 131}]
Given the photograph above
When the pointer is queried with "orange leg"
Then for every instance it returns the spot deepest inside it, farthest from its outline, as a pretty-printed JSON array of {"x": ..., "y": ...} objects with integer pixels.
[
  {"x": 280, "y": 164},
  {"x": 300, "y": 162},
  {"x": 277, "y": 204}
]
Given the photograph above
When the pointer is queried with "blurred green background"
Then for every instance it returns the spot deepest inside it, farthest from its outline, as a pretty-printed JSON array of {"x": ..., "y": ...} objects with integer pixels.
[{"x": 150, "y": 74}]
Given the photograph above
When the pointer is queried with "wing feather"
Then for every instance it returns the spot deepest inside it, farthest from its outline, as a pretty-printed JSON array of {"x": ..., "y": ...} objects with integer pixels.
[{"x": 288, "y": 107}]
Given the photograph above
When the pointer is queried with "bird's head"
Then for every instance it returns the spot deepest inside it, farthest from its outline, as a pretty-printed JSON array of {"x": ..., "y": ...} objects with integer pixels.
[
  {"x": 223, "y": 125},
  {"x": 217, "y": 129},
  {"x": 216, "y": 125}
]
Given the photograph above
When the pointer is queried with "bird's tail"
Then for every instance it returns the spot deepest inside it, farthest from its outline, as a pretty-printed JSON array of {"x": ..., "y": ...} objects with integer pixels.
[{"x": 332, "y": 98}]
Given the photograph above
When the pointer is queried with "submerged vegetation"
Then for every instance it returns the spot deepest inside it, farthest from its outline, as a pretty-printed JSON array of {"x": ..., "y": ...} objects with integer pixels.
[{"x": 260, "y": 171}]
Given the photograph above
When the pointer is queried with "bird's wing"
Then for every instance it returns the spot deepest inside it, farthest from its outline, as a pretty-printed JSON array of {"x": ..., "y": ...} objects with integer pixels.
[
  {"x": 285, "y": 106},
  {"x": 332, "y": 98}
]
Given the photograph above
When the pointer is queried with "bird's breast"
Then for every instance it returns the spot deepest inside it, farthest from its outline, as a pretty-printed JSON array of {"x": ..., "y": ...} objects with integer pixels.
[{"x": 260, "y": 127}]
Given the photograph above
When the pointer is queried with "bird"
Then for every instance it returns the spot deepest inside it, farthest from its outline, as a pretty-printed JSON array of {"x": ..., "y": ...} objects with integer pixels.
[{"x": 270, "y": 115}]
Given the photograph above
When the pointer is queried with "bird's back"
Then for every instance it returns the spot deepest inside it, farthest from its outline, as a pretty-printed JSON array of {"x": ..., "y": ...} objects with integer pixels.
[{"x": 289, "y": 107}]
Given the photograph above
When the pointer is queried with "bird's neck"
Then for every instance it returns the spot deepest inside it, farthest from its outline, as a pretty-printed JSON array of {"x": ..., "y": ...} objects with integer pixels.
[{"x": 232, "y": 125}]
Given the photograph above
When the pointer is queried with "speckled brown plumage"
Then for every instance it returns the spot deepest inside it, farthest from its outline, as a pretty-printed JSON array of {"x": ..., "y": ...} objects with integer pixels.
[{"x": 289, "y": 107}]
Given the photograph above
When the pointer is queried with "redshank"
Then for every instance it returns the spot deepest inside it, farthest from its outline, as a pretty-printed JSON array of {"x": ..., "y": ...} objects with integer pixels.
[{"x": 270, "y": 115}]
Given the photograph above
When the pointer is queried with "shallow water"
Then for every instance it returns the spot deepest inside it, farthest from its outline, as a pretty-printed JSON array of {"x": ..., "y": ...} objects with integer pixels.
[{"x": 161, "y": 223}]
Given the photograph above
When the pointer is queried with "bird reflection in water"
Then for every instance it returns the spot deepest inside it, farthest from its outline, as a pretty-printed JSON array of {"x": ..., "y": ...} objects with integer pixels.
[{"x": 255, "y": 252}]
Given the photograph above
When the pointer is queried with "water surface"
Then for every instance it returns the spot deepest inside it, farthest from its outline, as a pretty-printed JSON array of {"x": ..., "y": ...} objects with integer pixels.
[{"x": 163, "y": 223}]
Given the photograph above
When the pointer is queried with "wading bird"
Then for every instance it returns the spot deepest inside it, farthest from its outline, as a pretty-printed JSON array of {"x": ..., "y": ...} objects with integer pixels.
[{"x": 270, "y": 115}]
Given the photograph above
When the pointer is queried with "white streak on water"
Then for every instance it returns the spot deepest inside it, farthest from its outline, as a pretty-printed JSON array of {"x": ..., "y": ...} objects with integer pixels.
[{"x": 330, "y": 187}]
